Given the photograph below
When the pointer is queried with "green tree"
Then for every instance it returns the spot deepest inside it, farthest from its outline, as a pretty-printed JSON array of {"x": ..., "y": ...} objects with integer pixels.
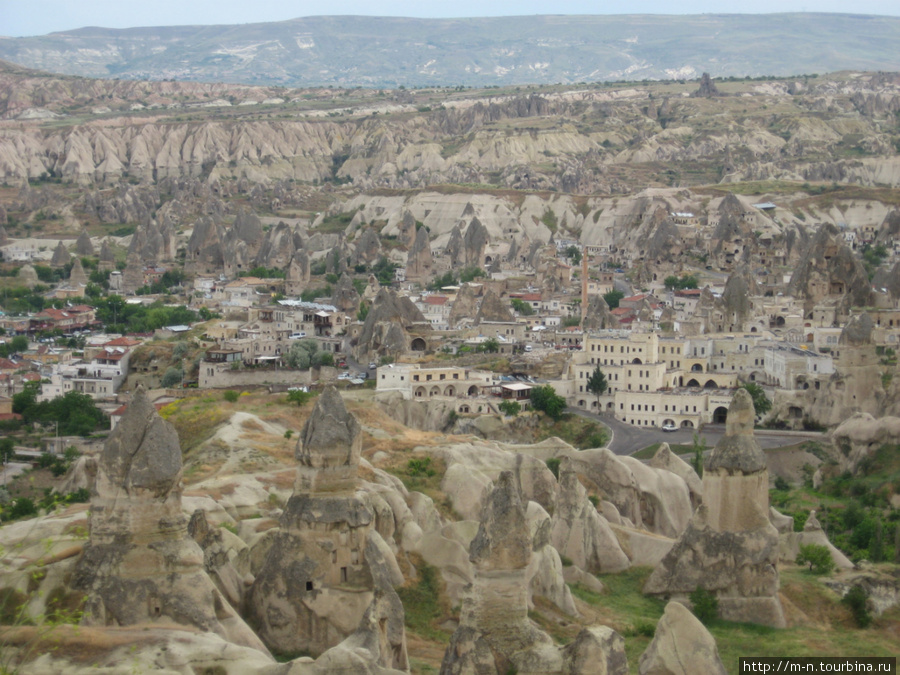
[
  {"x": 612, "y": 298},
  {"x": 510, "y": 408},
  {"x": 573, "y": 254},
  {"x": 384, "y": 271},
  {"x": 522, "y": 307},
  {"x": 491, "y": 346},
  {"x": 446, "y": 279},
  {"x": 18, "y": 344},
  {"x": 817, "y": 557},
  {"x": 761, "y": 403},
  {"x": 597, "y": 385},
  {"x": 546, "y": 399},
  {"x": 299, "y": 397},
  {"x": 7, "y": 449},
  {"x": 470, "y": 274},
  {"x": 363, "y": 312},
  {"x": 301, "y": 354},
  {"x": 324, "y": 359}
]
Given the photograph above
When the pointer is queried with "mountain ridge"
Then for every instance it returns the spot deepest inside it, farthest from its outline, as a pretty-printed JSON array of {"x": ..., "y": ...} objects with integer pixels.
[{"x": 393, "y": 51}]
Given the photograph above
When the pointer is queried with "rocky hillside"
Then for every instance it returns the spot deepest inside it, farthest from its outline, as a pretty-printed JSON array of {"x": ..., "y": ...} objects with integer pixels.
[
  {"x": 583, "y": 140},
  {"x": 388, "y": 52}
]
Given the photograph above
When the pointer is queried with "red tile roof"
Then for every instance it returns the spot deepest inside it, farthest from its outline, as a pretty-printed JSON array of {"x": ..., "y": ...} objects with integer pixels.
[{"x": 122, "y": 342}]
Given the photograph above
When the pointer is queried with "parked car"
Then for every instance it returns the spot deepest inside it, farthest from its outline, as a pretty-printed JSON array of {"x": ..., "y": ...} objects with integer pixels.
[
  {"x": 373, "y": 365},
  {"x": 669, "y": 427},
  {"x": 296, "y": 336},
  {"x": 527, "y": 348}
]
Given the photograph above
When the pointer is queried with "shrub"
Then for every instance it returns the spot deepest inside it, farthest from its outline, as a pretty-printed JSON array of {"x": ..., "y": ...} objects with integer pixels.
[
  {"x": 22, "y": 508},
  {"x": 705, "y": 604},
  {"x": 231, "y": 396},
  {"x": 420, "y": 467},
  {"x": 857, "y": 599},
  {"x": 817, "y": 557},
  {"x": 171, "y": 378}
]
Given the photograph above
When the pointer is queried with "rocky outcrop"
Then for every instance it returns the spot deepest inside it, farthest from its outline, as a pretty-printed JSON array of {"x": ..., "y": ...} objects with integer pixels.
[
  {"x": 454, "y": 249},
  {"x": 729, "y": 547},
  {"x": 495, "y": 635},
  {"x": 737, "y": 301},
  {"x": 204, "y": 250},
  {"x": 139, "y": 565},
  {"x": 61, "y": 256},
  {"x": 812, "y": 534},
  {"x": 344, "y": 296},
  {"x": 278, "y": 247},
  {"x": 861, "y": 436},
  {"x": 668, "y": 460},
  {"x": 598, "y": 315},
  {"x": 856, "y": 386},
  {"x": 707, "y": 88},
  {"x": 653, "y": 499},
  {"x": 828, "y": 268},
  {"x": 387, "y": 325},
  {"x": 407, "y": 233},
  {"x": 77, "y": 276},
  {"x": 107, "y": 258},
  {"x": 132, "y": 275},
  {"x": 474, "y": 243},
  {"x": 153, "y": 242},
  {"x": 579, "y": 532},
  {"x": 492, "y": 308},
  {"x": 681, "y": 645},
  {"x": 465, "y": 307},
  {"x": 368, "y": 247},
  {"x": 297, "y": 276},
  {"x": 241, "y": 243},
  {"x": 419, "y": 262},
  {"x": 328, "y": 574},
  {"x": 83, "y": 245}
]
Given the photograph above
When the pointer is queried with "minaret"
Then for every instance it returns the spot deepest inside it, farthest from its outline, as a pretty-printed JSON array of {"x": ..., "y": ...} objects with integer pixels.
[{"x": 584, "y": 286}]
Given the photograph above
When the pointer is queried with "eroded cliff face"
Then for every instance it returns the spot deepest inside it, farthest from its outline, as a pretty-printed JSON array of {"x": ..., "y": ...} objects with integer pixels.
[{"x": 597, "y": 136}]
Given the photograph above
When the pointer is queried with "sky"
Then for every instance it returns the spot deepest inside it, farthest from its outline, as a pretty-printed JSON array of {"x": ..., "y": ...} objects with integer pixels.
[{"x": 38, "y": 17}]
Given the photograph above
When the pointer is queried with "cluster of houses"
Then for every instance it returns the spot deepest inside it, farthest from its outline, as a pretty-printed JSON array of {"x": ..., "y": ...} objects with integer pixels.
[{"x": 671, "y": 358}]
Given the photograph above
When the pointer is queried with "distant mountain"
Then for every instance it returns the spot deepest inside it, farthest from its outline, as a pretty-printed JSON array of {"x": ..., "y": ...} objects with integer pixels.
[{"x": 389, "y": 52}]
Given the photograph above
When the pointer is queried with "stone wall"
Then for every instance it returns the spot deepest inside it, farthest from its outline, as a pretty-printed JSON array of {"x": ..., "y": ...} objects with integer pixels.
[{"x": 218, "y": 376}]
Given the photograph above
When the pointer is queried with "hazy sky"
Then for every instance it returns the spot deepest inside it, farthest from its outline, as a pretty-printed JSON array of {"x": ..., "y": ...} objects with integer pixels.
[{"x": 37, "y": 17}]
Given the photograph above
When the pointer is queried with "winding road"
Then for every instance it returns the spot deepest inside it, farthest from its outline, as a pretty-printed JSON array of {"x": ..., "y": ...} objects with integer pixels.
[{"x": 628, "y": 439}]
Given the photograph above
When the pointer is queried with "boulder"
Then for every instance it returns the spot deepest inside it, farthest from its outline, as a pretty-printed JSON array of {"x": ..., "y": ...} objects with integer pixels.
[{"x": 681, "y": 645}]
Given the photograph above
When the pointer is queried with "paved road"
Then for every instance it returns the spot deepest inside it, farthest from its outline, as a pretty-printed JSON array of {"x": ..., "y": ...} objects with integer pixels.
[{"x": 628, "y": 439}]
